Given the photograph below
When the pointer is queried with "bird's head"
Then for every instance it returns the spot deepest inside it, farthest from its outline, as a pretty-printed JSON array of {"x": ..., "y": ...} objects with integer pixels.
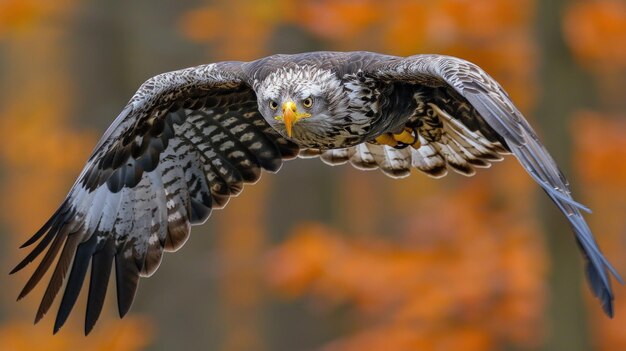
[{"x": 301, "y": 103}]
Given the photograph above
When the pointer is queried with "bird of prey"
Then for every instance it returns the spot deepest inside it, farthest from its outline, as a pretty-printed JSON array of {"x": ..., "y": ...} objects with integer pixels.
[{"x": 188, "y": 140}]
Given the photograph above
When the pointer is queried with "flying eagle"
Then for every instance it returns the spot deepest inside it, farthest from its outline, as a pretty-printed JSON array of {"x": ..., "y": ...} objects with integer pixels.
[{"x": 188, "y": 140}]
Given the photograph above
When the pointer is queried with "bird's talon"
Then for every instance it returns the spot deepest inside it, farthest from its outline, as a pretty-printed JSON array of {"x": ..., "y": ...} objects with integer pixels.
[
  {"x": 406, "y": 137},
  {"x": 386, "y": 139}
]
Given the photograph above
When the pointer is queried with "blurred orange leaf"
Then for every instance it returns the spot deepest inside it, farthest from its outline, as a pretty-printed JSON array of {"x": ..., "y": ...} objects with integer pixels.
[
  {"x": 600, "y": 151},
  {"x": 130, "y": 334},
  {"x": 201, "y": 25},
  {"x": 600, "y": 148},
  {"x": 596, "y": 32},
  {"x": 17, "y": 15},
  {"x": 427, "y": 286}
]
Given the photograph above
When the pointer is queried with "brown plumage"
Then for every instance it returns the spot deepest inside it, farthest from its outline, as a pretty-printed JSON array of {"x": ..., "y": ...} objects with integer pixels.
[{"x": 189, "y": 140}]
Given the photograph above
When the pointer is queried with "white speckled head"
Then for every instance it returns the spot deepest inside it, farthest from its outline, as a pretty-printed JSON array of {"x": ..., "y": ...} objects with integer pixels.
[
  {"x": 316, "y": 93},
  {"x": 299, "y": 81}
]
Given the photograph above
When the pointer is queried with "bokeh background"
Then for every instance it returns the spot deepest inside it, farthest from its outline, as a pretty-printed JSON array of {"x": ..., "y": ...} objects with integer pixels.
[{"x": 321, "y": 258}]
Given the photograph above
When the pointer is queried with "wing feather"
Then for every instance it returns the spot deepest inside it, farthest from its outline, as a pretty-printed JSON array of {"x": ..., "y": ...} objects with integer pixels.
[
  {"x": 502, "y": 120},
  {"x": 56, "y": 281},
  {"x": 427, "y": 159},
  {"x": 83, "y": 255},
  {"x": 362, "y": 158},
  {"x": 126, "y": 278},
  {"x": 479, "y": 124},
  {"x": 101, "y": 264},
  {"x": 189, "y": 140},
  {"x": 186, "y": 142}
]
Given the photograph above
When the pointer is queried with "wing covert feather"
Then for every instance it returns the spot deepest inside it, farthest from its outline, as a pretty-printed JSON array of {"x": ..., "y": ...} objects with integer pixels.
[
  {"x": 495, "y": 107},
  {"x": 189, "y": 140},
  {"x": 186, "y": 142}
]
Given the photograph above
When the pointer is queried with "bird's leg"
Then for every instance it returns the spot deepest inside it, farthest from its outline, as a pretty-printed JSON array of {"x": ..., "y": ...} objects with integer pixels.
[{"x": 408, "y": 137}]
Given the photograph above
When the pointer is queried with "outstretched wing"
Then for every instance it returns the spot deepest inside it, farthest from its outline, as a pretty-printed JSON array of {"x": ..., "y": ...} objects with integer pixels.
[
  {"x": 442, "y": 142},
  {"x": 186, "y": 142},
  {"x": 470, "y": 122}
]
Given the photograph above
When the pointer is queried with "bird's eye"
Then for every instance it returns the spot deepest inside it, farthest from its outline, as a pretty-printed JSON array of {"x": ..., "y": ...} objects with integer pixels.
[
  {"x": 308, "y": 102},
  {"x": 273, "y": 105}
]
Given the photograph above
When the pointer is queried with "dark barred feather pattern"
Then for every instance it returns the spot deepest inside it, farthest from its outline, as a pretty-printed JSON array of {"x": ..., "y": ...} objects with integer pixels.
[
  {"x": 497, "y": 119},
  {"x": 189, "y": 140},
  {"x": 445, "y": 140},
  {"x": 455, "y": 147},
  {"x": 184, "y": 145},
  {"x": 465, "y": 120}
]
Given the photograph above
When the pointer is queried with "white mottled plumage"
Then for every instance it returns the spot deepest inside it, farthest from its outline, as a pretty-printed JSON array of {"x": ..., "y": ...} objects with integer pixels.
[
  {"x": 304, "y": 80},
  {"x": 189, "y": 140}
]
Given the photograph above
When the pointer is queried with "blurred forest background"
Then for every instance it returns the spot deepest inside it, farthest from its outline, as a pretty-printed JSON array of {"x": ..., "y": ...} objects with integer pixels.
[{"x": 321, "y": 258}]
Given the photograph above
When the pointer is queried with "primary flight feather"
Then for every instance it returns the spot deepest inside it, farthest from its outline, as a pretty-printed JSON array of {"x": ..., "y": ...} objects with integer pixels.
[{"x": 189, "y": 140}]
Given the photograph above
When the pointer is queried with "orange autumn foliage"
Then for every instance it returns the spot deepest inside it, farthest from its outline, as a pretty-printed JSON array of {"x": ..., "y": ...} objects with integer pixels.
[
  {"x": 600, "y": 149},
  {"x": 493, "y": 33},
  {"x": 19, "y": 16},
  {"x": 600, "y": 143},
  {"x": 50, "y": 155},
  {"x": 40, "y": 157},
  {"x": 241, "y": 242},
  {"x": 228, "y": 26},
  {"x": 457, "y": 269},
  {"x": 596, "y": 32},
  {"x": 338, "y": 20},
  {"x": 481, "y": 284},
  {"x": 16, "y": 15},
  {"x": 432, "y": 288},
  {"x": 131, "y": 334}
]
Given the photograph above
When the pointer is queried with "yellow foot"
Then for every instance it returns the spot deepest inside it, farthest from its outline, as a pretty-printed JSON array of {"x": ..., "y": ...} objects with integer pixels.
[
  {"x": 405, "y": 137},
  {"x": 386, "y": 139},
  {"x": 401, "y": 140}
]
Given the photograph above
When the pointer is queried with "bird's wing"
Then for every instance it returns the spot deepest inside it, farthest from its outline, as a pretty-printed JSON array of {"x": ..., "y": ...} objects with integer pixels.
[
  {"x": 186, "y": 142},
  {"x": 456, "y": 147},
  {"x": 476, "y": 122}
]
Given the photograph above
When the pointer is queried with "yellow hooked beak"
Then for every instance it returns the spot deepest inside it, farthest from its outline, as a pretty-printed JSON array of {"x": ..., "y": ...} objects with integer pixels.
[{"x": 291, "y": 116}]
